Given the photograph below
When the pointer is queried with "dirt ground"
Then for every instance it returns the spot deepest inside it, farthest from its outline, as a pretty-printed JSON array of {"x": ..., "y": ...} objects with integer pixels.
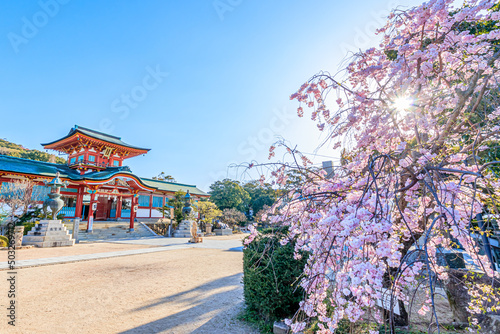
[
  {"x": 226, "y": 237},
  {"x": 176, "y": 291},
  {"x": 78, "y": 249}
]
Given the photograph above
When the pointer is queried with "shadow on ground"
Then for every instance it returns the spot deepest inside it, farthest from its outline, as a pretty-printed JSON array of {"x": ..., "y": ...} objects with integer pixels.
[{"x": 208, "y": 308}]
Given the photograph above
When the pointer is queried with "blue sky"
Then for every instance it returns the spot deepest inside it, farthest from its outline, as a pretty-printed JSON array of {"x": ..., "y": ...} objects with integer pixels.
[{"x": 202, "y": 83}]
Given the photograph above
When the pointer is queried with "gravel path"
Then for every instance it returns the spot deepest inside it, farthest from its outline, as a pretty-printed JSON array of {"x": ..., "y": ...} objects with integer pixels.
[{"x": 193, "y": 290}]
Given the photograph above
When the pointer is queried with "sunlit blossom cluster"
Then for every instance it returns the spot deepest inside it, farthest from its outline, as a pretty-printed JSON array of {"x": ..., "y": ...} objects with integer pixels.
[{"x": 410, "y": 182}]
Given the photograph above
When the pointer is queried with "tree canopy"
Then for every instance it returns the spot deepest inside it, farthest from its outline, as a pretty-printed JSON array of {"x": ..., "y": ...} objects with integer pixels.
[
  {"x": 260, "y": 195},
  {"x": 249, "y": 198},
  {"x": 415, "y": 116},
  {"x": 208, "y": 211},
  {"x": 228, "y": 194},
  {"x": 164, "y": 177},
  {"x": 15, "y": 150},
  {"x": 177, "y": 202},
  {"x": 233, "y": 217}
]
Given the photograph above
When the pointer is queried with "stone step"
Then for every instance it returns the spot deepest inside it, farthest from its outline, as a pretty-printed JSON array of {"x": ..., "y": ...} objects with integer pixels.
[
  {"x": 60, "y": 232},
  {"x": 48, "y": 227},
  {"x": 182, "y": 235},
  {"x": 114, "y": 232},
  {"x": 36, "y": 233},
  {"x": 224, "y": 231},
  {"x": 44, "y": 244},
  {"x": 117, "y": 237},
  {"x": 48, "y": 233},
  {"x": 36, "y": 238}
]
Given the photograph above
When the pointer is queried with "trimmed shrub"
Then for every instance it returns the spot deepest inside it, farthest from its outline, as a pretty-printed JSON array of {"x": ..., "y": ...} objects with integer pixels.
[
  {"x": 28, "y": 219},
  {"x": 271, "y": 285},
  {"x": 4, "y": 242},
  {"x": 28, "y": 227}
]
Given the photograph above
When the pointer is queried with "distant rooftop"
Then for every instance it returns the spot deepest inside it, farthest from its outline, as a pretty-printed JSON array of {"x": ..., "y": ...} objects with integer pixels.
[
  {"x": 96, "y": 135},
  {"x": 172, "y": 186}
]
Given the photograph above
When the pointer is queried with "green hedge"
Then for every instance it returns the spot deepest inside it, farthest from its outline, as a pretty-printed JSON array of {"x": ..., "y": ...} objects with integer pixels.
[
  {"x": 270, "y": 279},
  {"x": 4, "y": 241}
]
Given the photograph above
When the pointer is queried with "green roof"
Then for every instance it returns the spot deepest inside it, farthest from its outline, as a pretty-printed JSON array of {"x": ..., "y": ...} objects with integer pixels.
[
  {"x": 97, "y": 135},
  {"x": 41, "y": 168},
  {"x": 33, "y": 167},
  {"x": 171, "y": 186}
]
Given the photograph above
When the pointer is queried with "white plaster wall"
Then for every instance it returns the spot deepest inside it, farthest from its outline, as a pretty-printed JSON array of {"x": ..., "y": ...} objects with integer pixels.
[
  {"x": 156, "y": 214},
  {"x": 142, "y": 213}
]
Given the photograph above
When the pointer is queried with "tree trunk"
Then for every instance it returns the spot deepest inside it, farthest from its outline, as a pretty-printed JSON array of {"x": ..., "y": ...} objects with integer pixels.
[
  {"x": 397, "y": 320},
  {"x": 458, "y": 295}
]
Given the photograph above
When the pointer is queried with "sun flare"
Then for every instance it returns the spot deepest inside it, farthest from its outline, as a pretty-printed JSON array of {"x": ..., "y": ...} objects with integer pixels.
[{"x": 402, "y": 104}]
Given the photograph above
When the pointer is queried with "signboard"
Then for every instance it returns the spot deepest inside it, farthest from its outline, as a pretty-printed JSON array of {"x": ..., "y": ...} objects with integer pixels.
[
  {"x": 135, "y": 208},
  {"x": 76, "y": 228},
  {"x": 94, "y": 206},
  {"x": 385, "y": 301},
  {"x": 91, "y": 223},
  {"x": 107, "y": 152}
]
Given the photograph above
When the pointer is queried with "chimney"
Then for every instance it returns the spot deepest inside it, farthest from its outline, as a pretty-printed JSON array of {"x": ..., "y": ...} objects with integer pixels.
[{"x": 328, "y": 167}]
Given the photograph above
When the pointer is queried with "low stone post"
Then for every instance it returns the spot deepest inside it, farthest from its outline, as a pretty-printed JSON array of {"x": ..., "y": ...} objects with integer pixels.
[
  {"x": 18, "y": 235},
  {"x": 76, "y": 228},
  {"x": 208, "y": 228}
]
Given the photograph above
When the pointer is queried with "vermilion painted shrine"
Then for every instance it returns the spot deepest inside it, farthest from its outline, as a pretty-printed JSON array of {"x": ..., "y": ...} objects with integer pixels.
[{"x": 99, "y": 185}]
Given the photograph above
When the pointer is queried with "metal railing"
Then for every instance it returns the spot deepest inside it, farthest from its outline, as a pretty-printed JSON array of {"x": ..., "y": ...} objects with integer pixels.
[
  {"x": 88, "y": 163},
  {"x": 68, "y": 211}
]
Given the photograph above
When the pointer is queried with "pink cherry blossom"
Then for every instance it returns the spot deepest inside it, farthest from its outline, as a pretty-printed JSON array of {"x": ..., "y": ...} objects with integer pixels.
[{"x": 408, "y": 171}]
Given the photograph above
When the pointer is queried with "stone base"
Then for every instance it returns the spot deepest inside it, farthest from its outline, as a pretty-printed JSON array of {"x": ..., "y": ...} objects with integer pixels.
[
  {"x": 491, "y": 325},
  {"x": 196, "y": 240},
  {"x": 280, "y": 328},
  {"x": 223, "y": 231},
  {"x": 48, "y": 233},
  {"x": 184, "y": 230},
  {"x": 17, "y": 248}
]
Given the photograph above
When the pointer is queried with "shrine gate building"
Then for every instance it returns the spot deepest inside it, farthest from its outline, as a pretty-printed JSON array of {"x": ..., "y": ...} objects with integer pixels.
[{"x": 100, "y": 186}]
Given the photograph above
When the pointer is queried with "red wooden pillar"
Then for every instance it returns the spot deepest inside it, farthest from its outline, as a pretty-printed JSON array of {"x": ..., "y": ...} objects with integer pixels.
[
  {"x": 119, "y": 207},
  {"x": 79, "y": 203},
  {"x": 163, "y": 203},
  {"x": 150, "y": 205},
  {"x": 133, "y": 212},
  {"x": 90, "y": 222}
]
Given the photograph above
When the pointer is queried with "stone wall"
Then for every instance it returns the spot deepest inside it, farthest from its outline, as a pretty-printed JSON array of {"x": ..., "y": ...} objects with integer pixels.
[{"x": 158, "y": 228}]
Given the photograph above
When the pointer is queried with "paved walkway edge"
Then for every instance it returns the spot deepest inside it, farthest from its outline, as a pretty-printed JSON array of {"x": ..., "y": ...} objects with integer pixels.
[{"x": 87, "y": 257}]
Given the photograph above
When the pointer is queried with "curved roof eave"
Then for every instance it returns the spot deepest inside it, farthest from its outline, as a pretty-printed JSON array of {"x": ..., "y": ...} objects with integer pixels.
[
  {"x": 98, "y": 136},
  {"x": 106, "y": 179}
]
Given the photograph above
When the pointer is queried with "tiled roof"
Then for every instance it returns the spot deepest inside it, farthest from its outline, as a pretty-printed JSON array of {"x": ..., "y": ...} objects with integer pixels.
[
  {"x": 97, "y": 135},
  {"x": 32, "y": 167},
  {"x": 171, "y": 186}
]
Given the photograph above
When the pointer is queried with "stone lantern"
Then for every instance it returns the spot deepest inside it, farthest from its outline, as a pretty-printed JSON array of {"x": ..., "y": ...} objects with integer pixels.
[
  {"x": 50, "y": 233},
  {"x": 188, "y": 228},
  {"x": 54, "y": 202},
  {"x": 187, "y": 209}
]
